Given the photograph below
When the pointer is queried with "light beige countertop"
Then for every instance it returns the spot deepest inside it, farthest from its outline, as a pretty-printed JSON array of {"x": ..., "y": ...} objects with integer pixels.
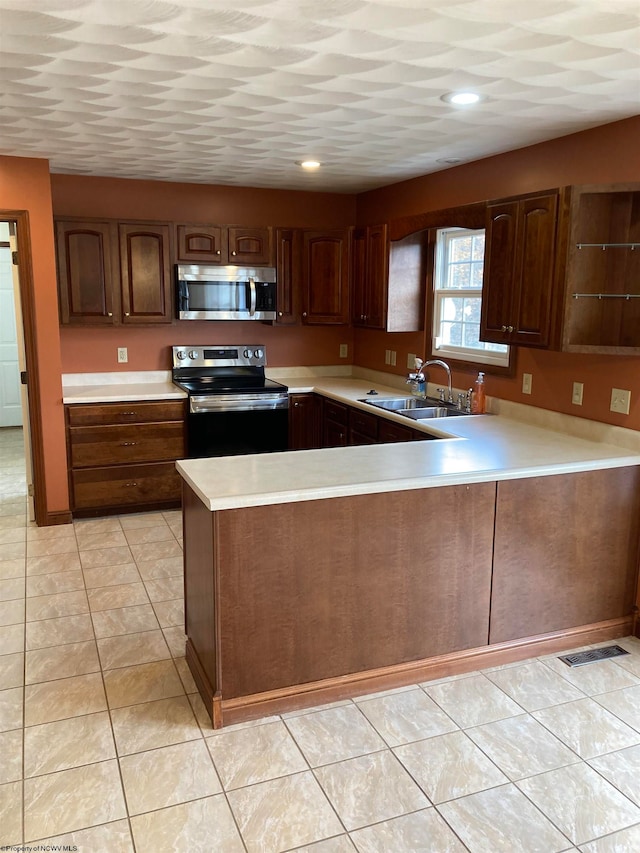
[
  {"x": 120, "y": 387},
  {"x": 477, "y": 449}
]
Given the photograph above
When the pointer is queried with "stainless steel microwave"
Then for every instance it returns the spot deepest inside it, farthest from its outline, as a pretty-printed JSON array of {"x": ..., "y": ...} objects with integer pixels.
[{"x": 225, "y": 293}]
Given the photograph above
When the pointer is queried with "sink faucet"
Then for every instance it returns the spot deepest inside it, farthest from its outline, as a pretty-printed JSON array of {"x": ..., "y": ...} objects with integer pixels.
[{"x": 418, "y": 376}]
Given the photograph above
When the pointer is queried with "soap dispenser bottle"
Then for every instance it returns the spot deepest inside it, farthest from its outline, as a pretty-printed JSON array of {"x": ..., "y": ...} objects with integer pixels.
[{"x": 478, "y": 401}]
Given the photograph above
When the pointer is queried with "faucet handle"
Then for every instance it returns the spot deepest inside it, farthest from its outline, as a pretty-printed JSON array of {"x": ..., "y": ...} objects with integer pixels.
[{"x": 442, "y": 392}]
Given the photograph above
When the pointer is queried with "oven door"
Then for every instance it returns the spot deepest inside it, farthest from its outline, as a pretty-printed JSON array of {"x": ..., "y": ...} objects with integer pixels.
[
  {"x": 228, "y": 293},
  {"x": 235, "y": 433}
]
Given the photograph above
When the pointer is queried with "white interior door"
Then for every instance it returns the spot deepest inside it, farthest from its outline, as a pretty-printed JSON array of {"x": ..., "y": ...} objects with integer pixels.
[{"x": 10, "y": 402}]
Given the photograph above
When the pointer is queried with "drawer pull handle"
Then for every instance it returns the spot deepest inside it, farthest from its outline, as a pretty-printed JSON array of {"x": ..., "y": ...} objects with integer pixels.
[
  {"x": 128, "y": 414},
  {"x": 130, "y": 484},
  {"x": 128, "y": 443}
]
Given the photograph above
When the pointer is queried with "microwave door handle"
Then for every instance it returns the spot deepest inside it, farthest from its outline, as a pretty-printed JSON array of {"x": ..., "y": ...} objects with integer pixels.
[{"x": 252, "y": 291}]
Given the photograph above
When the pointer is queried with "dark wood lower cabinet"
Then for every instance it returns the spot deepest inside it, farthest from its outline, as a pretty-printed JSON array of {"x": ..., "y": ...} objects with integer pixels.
[
  {"x": 122, "y": 456},
  {"x": 305, "y": 425}
]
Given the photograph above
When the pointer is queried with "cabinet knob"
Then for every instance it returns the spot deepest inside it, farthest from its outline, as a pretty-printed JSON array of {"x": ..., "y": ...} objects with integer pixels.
[
  {"x": 110, "y": 314},
  {"x": 509, "y": 328},
  {"x": 503, "y": 328},
  {"x": 234, "y": 253},
  {"x": 279, "y": 313},
  {"x": 130, "y": 484},
  {"x": 296, "y": 405},
  {"x": 218, "y": 252},
  {"x": 126, "y": 313},
  {"x": 304, "y": 313}
]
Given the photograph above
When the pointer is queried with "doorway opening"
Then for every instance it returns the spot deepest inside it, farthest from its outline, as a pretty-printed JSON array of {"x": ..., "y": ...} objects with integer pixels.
[{"x": 17, "y": 476}]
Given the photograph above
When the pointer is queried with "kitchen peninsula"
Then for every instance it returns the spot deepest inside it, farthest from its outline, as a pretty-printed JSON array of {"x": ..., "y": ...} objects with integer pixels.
[{"x": 320, "y": 574}]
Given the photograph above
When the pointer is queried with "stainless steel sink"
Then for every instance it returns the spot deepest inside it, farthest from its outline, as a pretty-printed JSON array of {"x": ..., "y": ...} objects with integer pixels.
[
  {"x": 418, "y": 409},
  {"x": 428, "y": 412},
  {"x": 394, "y": 404}
]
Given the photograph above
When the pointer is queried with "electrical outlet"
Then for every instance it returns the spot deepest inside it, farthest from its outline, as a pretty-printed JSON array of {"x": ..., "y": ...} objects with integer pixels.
[
  {"x": 620, "y": 401},
  {"x": 392, "y": 357},
  {"x": 527, "y": 379},
  {"x": 344, "y": 350},
  {"x": 411, "y": 361},
  {"x": 576, "y": 394},
  {"x": 123, "y": 355}
]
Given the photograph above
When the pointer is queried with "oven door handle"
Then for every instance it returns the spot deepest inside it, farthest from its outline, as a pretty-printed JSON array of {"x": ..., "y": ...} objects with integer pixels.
[{"x": 252, "y": 292}]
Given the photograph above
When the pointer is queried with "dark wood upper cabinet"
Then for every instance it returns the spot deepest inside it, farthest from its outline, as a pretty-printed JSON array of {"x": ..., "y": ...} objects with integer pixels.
[
  {"x": 145, "y": 268},
  {"x": 252, "y": 246},
  {"x": 200, "y": 243},
  {"x": 85, "y": 252},
  {"x": 288, "y": 264},
  {"x": 326, "y": 260},
  {"x": 518, "y": 294},
  {"x": 111, "y": 273},
  {"x": 225, "y": 244},
  {"x": 389, "y": 280}
]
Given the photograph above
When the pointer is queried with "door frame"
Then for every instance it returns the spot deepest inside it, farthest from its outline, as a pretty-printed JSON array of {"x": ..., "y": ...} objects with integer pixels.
[{"x": 27, "y": 298}]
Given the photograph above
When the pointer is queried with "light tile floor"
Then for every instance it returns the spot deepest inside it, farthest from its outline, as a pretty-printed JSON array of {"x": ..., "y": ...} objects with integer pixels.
[{"x": 105, "y": 743}]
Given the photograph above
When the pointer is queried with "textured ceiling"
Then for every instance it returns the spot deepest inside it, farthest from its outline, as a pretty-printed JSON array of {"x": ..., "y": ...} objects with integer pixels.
[{"x": 221, "y": 92}]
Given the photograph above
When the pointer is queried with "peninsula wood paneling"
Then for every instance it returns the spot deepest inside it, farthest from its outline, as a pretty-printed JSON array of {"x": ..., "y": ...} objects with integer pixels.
[
  {"x": 325, "y": 588},
  {"x": 566, "y": 551}
]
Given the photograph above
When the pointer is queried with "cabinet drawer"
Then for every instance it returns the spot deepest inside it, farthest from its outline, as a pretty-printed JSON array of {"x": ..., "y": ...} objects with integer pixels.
[
  {"x": 114, "y": 445},
  {"x": 126, "y": 485},
  {"x": 125, "y": 413},
  {"x": 335, "y": 412},
  {"x": 364, "y": 424}
]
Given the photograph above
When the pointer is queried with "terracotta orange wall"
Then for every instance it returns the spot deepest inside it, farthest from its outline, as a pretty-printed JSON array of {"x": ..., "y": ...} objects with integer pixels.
[
  {"x": 24, "y": 185},
  {"x": 607, "y": 154},
  {"x": 88, "y": 351}
]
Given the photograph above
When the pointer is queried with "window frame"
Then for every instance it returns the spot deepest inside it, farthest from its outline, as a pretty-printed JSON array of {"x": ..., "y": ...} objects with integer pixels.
[{"x": 463, "y": 356}]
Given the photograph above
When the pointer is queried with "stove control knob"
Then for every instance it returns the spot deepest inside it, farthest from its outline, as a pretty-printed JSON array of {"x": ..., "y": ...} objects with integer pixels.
[
  {"x": 181, "y": 354},
  {"x": 193, "y": 354},
  {"x": 247, "y": 353},
  {"x": 258, "y": 353}
]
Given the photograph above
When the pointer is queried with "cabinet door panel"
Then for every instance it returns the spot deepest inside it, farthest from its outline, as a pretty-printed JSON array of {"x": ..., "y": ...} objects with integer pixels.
[
  {"x": 554, "y": 570},
  {"x": 534, "y": 270},
  {"x": 85, "y": 272},
  {"x": 146, "y": 273},
  {"x": 499, "y": 281},
  {"x": 250, "y": 246},
  {"x": 376, "y": 276},
  {"x": 200, "y": 243},
  {"x": 326, "y": 274},
  {"x": 288, "y": 249},
  {"x": 304, "y": 421},
  {"x": 359, "y": 278}
]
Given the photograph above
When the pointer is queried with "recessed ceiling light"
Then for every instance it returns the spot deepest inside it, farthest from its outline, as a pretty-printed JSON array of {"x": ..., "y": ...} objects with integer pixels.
[
  {"x": 462, "y": 99},
  {"x": 308, "y": 164}
]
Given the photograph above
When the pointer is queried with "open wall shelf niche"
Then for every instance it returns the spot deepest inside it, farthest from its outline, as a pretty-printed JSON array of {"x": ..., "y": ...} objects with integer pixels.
[{"x": 602, "y": 308}]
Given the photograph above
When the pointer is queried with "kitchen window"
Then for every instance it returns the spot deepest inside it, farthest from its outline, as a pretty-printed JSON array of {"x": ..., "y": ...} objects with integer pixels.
[{"x": 457, "y": 299}]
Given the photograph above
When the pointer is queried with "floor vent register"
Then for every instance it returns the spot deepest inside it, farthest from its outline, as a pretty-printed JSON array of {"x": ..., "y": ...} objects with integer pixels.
[{"x": 593, "y": 655}]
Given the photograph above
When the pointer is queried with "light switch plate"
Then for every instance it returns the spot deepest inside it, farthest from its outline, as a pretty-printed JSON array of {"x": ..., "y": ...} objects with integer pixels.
[
  {"x": 392, "y": 357},
  {"x": 620, "y": 401},
  {"x": 576, "y": 394},
  {"x": 526, "y": 383},
  {"x": 344, "y": 350}
]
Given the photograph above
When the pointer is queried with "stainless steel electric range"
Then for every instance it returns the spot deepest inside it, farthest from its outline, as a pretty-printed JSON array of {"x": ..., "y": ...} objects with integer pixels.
[{"x": 233, "y": 408}]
